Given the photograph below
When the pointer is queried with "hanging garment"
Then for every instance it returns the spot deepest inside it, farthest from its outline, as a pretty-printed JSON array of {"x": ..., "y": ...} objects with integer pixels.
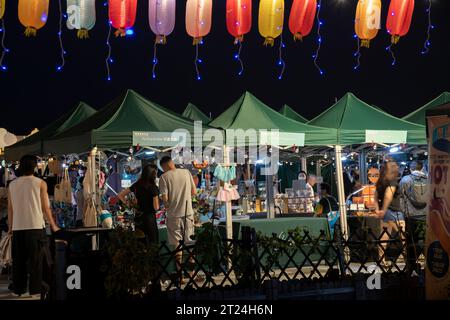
[
  {"x": 225, "y": 174},
  {"x": 5, "y": 251},
  {"x": 227, "y": 193}
]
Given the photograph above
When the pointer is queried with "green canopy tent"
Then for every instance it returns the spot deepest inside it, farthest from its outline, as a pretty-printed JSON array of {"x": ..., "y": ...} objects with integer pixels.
[
  {"x": 112, "y": 127},
  {"x": 292, "y": 114},
  {"x": 418, "y": 116},
  {"x": 250, "y": 113},
  {"x": 34, "y": 143},
  {"x": 357, "y": 122},
  {"x": 195, "y": 114},
  {"x": 353, "y": 118}
]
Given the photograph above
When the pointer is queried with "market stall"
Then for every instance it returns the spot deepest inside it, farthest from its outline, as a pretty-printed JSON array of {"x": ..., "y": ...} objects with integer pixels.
[
  {"x": 358, "y": 123},
  {"x": 34, "y": 143},
  {"x": 249, "y": 113}
]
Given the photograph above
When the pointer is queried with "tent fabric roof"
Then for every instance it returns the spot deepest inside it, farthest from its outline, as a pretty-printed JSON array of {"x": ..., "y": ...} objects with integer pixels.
[
  {"x": 33, "y": 144},
  {"x": 419, "y": 116},
  {"x": 112, "y": 127},
  {"x": 195, "y": 114},
  {"x": 352, "y": 117},
  {"x": 292, "y": 114},
  {"x": 250, "y": 113}
]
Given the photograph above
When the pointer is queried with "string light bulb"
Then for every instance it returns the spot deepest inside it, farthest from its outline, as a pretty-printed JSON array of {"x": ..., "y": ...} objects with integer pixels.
[
  {"x": 61, "y": 46},
  {"x": 319, "y": 38},
  {"x": 5, "y": 50},
  {"x": 427, "y": 43}
]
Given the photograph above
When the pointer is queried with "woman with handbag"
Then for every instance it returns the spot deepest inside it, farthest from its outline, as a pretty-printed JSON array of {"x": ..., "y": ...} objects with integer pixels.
[{"x": 146, "y": 198}]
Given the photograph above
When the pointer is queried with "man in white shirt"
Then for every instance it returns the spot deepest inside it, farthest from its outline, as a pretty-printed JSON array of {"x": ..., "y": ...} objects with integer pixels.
[
  {"x": 28, "y": 203},
  {"x": 177, "y": 187}
]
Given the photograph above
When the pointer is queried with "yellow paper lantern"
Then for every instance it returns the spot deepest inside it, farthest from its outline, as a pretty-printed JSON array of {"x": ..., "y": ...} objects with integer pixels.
[
  {"x": 271, "y": 18},
  {"x": 367, "y": 20},
  {"x": 2, "y": 8},
  {"x": 33, "y": 15}
]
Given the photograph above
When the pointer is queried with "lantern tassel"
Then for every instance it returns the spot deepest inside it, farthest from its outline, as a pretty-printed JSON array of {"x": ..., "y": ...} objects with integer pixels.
[
  {"x": 161, "y": 39},
  {"x": 120, "y": 33},
  {"x": 395, "y": 39},
  {"x": 197, "y": 41},
  {"x": 30, "y": 32},
  {"x": 269, "y": 42},
  {"x": 83, "y": 34},
  {"x": 239, "y": 39},
  {"x": 298, "y": 36},
  {"x": 365, "y": 43}
]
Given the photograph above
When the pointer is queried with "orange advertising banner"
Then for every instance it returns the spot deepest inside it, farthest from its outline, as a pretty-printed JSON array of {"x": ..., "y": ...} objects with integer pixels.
[{"x": 437, "y": 250}]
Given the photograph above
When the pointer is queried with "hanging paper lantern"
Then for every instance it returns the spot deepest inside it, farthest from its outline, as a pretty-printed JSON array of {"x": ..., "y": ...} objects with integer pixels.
[
  {"x": 367, "y": 20},
  {"x": 33, "y": 15},
  {"x": 399, "y": 18},
  {"x": 2, "y": 8},
  {"x": 81, "y": 16},
  {"x": 270, "y": 23},
  {"x": 198, "y": 19},
  {"x": 161, "y": 17},
  {"x": 301, "y": 19},
  {"x": 122, "y": 14},
  {"x": 239, "y": 18}
]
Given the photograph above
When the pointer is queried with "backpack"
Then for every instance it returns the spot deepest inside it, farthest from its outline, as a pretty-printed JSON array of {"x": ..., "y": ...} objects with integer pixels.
[{"x": 417, "y": 192}]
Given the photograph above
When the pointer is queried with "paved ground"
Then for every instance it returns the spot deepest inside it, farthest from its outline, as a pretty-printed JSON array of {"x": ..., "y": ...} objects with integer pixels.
[{"x": 5, "y": 294}]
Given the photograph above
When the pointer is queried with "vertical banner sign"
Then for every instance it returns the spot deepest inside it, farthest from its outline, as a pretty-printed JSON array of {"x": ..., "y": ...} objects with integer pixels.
[{"x": 437, "y": 248}]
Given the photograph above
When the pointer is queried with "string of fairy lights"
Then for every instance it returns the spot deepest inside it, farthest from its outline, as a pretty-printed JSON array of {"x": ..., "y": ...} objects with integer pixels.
[{"x": 240, "y": 22}]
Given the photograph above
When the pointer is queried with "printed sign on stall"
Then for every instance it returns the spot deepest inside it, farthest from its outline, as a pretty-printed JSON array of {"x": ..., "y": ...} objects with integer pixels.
[{"x": 437, "y": 247}]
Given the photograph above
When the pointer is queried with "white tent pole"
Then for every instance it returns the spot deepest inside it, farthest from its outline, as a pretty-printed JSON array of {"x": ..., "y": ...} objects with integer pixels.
[
  {"x": 304, "y": 164},
  {"x": 229, "y": 218},
  {"x": 341, "y": 193}
]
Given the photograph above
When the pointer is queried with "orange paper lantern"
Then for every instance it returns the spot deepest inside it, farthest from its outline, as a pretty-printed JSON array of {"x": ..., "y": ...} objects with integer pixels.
[
  {"x": 33, "y": 15},
  {"x": 198, "y": 19},
  {"x": 367, "y": 20}
]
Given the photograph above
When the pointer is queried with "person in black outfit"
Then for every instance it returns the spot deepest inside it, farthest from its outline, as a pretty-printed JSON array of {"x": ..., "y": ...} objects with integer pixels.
[
  {"x": 327, "y": 202},
  {"x": 146, "y": 198}
]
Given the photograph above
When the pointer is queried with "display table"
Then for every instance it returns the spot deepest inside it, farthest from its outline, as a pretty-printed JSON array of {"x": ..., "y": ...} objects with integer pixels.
[{"x": 283, "y": 225}]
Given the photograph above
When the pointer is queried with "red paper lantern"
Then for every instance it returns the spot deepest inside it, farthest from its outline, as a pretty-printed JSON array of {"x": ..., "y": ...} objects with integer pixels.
[
  {"x": 399, "y": 18},
  {"x": 301, "y": 19},
  {"x": 239, "y": 18},
  {"x": 122, "y": 14}
]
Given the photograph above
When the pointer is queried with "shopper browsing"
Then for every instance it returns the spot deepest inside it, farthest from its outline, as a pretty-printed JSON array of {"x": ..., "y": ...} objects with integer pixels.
[
  {"x": 387, "y": 200},
  {"x": 28, "y": 204},
  {"x": 327, "y": 202},
  {"x": 146, "y": 195},
  {"x": 177, "y": 188},
  {"x": 414, "y": 190}
]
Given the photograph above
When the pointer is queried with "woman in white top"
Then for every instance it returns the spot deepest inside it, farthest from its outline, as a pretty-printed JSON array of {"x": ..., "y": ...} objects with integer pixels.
[{"x": 28, "y": 203}]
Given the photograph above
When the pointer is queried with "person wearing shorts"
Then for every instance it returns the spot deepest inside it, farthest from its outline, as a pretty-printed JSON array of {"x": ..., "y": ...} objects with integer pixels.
[{"x": 177, "y": 187}]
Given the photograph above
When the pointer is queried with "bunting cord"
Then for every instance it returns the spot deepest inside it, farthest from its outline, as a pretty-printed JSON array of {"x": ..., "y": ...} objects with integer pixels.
[
  {"x": 238, "y": 57},
  {"x": 155, "y": 60},
  {"x": 427, "y": 44},
  {"x": 4, "y": 49},
  {"x": 63, "y": 60},
  {"x": 319, "y": 38},
  {"x": 357, "y": 54},
  {"x": 196, "y": 62},
  {"x": 281, "y": 61},
  {"x": 108, "y": 57},
  {"x": 394, "y": 59}
]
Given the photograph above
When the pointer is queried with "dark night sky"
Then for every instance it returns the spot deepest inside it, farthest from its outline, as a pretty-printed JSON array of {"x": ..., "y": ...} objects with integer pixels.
[{"x": 33, "y": 93}]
